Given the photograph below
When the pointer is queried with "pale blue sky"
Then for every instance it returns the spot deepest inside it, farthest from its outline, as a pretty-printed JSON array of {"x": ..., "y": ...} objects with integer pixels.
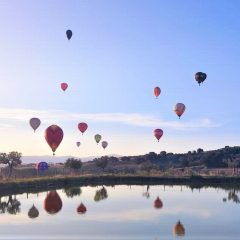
[{"x": 120, "y": 50}]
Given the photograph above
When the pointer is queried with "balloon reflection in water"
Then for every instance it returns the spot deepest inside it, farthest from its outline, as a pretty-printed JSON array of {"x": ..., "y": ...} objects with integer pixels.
[
  {"x": 33, "y": 212},
  {"x": 158, "y": 203},
  {"x": 81, "y": 209},
  {"x": 53, "y": 203},
  {"x": 179, "y": 229}
]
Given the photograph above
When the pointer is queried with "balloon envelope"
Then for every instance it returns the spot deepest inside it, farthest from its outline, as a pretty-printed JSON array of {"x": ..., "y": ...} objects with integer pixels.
[
  {"x": 33, "y": 212},
  {"x": 158, "y": 133},
  {"x": 64, "y": 86},
  {"x": 42, "y": 166},
  {"x": 157, "y": 91},
  {"x": 158, "y": 203},
  {"x": 200, "y": 77},
  {"x": 34, "y": 123},
  {"x": 82, "y": 127},
  {"x": 81, "y": 209},
  {"x": 104, "y": 144},
  {"x": 98, "y": 138},
  {"x": 78, "y": 144},
  {"x": 53, "y": 136},
  {"x": 179, "y": 109},
  {"x": 179, "y": 229},
  {"x": 69, "y": 34},
  {"x": 52, "y": 203}
]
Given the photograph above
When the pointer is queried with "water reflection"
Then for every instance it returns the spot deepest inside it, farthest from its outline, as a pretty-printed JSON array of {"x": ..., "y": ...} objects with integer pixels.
[
  {"x": 147, "y": 193},
  {"x": 81, "y": 209},
  {"x": 33, "y": 212},
  {"x": 158, "y": 203},
  {"x": 53, "y": 203},
  {"x": 101, "y": 194},
  {"x": 179, "y": 229},
  {"x": 126, "y": 214},
  {"x": 12, "y": 205},
  {"x": 72, "y": 191}
]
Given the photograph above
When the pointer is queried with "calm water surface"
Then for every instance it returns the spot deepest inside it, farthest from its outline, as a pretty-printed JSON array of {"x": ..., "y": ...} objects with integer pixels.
[{"x": 124, "y": 212}]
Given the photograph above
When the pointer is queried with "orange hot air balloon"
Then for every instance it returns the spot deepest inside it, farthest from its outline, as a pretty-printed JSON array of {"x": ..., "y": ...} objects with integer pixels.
[
  {"x": 158, "y": 133},
  {"x": 179, "y": 109},
  {"x": 53, "y": 136},
  {"x": 179, "y": 229},
  {"x": 158, "y": 203},
  {"x": 81, "y": 209},
  {"x": 52, "y": 203},
  {"x": 64, "y": 86},
  {"x": 157, "y": 91},
  {"x": 82, "y": 127}
]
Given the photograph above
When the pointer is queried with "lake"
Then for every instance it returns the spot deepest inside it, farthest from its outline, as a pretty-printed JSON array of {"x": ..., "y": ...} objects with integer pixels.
[{"x": 122, "y": 212}]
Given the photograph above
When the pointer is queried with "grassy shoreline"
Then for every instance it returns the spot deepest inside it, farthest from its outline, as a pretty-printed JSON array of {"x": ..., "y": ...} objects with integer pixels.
[{"x": 34, "y": 185}]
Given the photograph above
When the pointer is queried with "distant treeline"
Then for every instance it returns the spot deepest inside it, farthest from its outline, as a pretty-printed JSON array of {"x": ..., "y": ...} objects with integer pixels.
[{"x": 227, "y": 157}]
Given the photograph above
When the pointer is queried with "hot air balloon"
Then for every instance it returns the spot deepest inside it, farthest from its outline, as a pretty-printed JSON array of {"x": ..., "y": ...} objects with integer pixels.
[
  {"x": 34, "y": 123},
  {"x": 41, "y": 166},
  {"x": 179, "y": 109},
  {"x": 104, "y": 144},
  {"x": 200, "y": 77},
  {"x": 69, "y": 34},
  {"x": 81, "y": 209},
  {"x": 52, "y": 203},
  {"x": 33, "y": 212},
  {"x": 64, "y": 86},
  {"x": 53, "y": 136},
  {"x": 158, "y": 203},
  {"x": 179, "y": 229},
  {"x": 157, "y": 91},
  {"x": 78, "y": 144},
  {"x": 158, "y": 133},
  {"x": 82, "y": 127},
  {"x": 98, "y": 138}
]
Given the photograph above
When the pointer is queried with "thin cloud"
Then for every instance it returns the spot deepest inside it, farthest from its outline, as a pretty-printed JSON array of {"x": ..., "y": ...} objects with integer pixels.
[{"x": 8, "y": 115}]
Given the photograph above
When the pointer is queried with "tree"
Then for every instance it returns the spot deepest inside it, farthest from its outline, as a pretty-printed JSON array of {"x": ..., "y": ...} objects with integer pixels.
[
  {"x": 72, "y": 191},
  {"x": 102, "y": 162},
  {"x": 73, "y": 163},
  {"x": 100, "y": 194},
  {"x": 12, "y": 159},
  {"x": 199, "y": 150}
]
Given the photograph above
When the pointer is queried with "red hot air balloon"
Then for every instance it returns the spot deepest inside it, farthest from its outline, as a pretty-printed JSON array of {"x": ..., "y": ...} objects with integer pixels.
[
  {"x": 64, "y": 86},
  {"x": 104, "y": 144},
  {"x": 53, "y": 136},
  {"x": 157, "y": 91},
  {"x": 158, "y": 133},
  {"x": 158, "y": 203},
  {"x": 52, "y": 203},
  {"x": 81, "y": 209},
  {"x": 34, "y": 123},
  {"x": 179, "y": 109},
  {"x": 82, "y": 127}
]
